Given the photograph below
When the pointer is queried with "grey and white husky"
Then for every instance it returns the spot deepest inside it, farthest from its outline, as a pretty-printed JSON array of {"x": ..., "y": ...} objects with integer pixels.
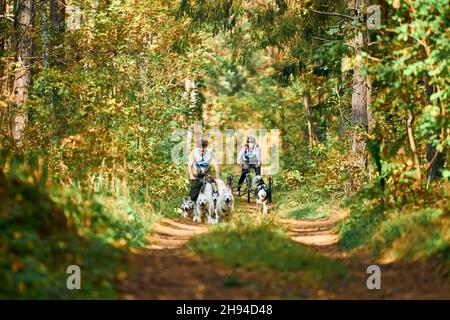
[
  {"x": 188, "y": 208},
  {"x": 225, "y": 201},
  {"x": 204, "y": 205}
]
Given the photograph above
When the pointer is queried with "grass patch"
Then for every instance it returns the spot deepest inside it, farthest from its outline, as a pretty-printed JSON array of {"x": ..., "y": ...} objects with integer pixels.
[
  {"x": 406, "y": 233},
  {"x": 308, "y": 212},
  {"x": 305, "y": 202},
  {"x": 263, "y": 247},
  {"x": 231, "y": 282}
]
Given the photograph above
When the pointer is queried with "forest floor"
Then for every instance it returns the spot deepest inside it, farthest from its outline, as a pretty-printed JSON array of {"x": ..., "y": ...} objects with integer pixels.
[{"x": 167, "y": 269}]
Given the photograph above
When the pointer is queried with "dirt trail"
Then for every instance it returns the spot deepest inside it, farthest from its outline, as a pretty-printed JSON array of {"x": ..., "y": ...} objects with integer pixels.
[
  {"x": 313, "y": 232},
  {"x": 416, "y": 280},
  {"x": 165, "y": 269}
]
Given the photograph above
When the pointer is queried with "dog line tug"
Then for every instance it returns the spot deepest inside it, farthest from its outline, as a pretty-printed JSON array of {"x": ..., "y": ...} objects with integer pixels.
[{"x": 210, "y": 199}]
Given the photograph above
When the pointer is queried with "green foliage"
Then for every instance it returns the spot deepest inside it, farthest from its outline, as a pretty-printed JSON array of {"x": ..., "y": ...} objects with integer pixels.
[
  {"x": 413, "y": 59},
  {"x": 363, "y": 222},
  {"x": 307, "y": 201},
  {"x": 397, "y": 218},
  {"x": 46, "y": 229},
  {"x": 38, "y": 243},
  {"x": 103, "y": 106},
  {"x": 407, "y": 233}
]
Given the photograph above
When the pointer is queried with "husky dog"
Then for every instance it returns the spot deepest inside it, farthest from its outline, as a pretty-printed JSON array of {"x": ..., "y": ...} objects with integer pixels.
[
  {"x": 225, "y": 203},
  {"x": 262, "y": 195},
  {"x": 215, "y": 197},
  {"x": 188, "y": 207},
  {"x": 204, "y": 205}
]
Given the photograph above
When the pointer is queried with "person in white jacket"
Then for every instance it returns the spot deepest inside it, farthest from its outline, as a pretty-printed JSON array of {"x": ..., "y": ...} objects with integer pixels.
[
  {"x": 200, "y": 161},
  {"x": 249, "y": 157}
]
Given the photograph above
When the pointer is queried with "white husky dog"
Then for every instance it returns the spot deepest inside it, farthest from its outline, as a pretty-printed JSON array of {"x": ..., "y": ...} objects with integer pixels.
[
  {"x": 262, "y": 195},
  {"x": 204, "y": 205},
  {"x": 225, "y": 201}
]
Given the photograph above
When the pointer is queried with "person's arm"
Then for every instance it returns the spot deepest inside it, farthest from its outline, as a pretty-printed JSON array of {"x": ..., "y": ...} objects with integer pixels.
[
  {"x": 240, "y": 155},
  {"x": 191, "y": 165},
  {"x": 216, "y": 166},
  {"x": 258, "y": 155}
]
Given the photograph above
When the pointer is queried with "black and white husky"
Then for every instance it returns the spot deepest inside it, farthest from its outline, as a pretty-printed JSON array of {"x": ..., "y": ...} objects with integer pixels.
[
  {"x": 262, "y": 195},
  {"x": 188, "y": 208}
]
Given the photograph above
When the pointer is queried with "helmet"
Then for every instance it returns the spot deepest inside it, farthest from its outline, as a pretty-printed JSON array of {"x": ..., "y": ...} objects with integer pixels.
[
  {"x": 202, "y": 142},
  {"x": 251, "y": 139}
]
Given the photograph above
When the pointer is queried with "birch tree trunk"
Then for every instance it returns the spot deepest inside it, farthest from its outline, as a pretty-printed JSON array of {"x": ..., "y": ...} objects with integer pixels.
[
  {"x": 309, "y": 128},
  {"x": 3, "y": 73},
  {"x": 23, "y": 75},
  {"x": 2, "y": 14},
  {"x": 412, "y": 144}
]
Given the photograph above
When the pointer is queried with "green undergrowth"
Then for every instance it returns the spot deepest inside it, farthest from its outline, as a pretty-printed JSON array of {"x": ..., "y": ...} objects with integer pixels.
[
  {"x": 305, "y": 202},
  {"x": 408, "y": 232},
  {"x": 45, "y": 229}
]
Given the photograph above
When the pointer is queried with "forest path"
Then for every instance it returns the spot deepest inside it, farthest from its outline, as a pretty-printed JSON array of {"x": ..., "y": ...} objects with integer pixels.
[
  {"x": 423, "y": 279},
  {"x": 166, "y": 269}
]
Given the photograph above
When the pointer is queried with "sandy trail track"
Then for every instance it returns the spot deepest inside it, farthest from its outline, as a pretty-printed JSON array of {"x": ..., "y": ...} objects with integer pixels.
[{"x": 165, "y": 269}]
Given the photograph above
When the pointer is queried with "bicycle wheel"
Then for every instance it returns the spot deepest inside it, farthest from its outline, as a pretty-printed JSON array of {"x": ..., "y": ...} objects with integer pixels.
[{"x": 249, "y": 187}]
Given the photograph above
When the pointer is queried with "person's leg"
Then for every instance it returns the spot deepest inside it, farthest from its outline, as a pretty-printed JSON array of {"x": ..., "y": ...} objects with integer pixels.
[
  {"x": 241, "y": 179},
  {"x": 258, "y": 170},
  {"x": 196, "y": 186}
]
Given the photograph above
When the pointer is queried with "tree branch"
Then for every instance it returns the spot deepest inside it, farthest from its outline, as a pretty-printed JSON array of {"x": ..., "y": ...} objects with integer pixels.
[
  {"x": 7, "y": 16},
  {"x": 335, "y": 14},
  {"x": 331, "y": 40}
]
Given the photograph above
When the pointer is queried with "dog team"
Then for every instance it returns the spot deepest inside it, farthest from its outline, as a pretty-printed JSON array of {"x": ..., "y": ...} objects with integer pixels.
[{"x": 211, "y": 199}]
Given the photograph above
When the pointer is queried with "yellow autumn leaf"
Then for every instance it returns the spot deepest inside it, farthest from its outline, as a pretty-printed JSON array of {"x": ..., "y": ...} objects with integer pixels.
[
  {"x": 396, "y": 4},
  {"x": 21, "y": 287}
]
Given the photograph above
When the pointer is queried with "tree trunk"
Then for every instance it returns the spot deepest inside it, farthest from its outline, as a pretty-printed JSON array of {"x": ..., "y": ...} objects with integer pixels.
[
  {"x": 3, "y": 27},
  {"x": 2, "y": 23},
  {"x": 45, "y": 39},
  {"x": 310, "y": 131},
  {"x": 3, "y": 73},
  {"x": 57, "y": 27},
  {"x": 360, "y": 98},
  {"x": 23, "y": 75},
  {"x": 57, "y": 15},
  {"x": 435, "y": 159},
  {"x": 412, "y": 145}
]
